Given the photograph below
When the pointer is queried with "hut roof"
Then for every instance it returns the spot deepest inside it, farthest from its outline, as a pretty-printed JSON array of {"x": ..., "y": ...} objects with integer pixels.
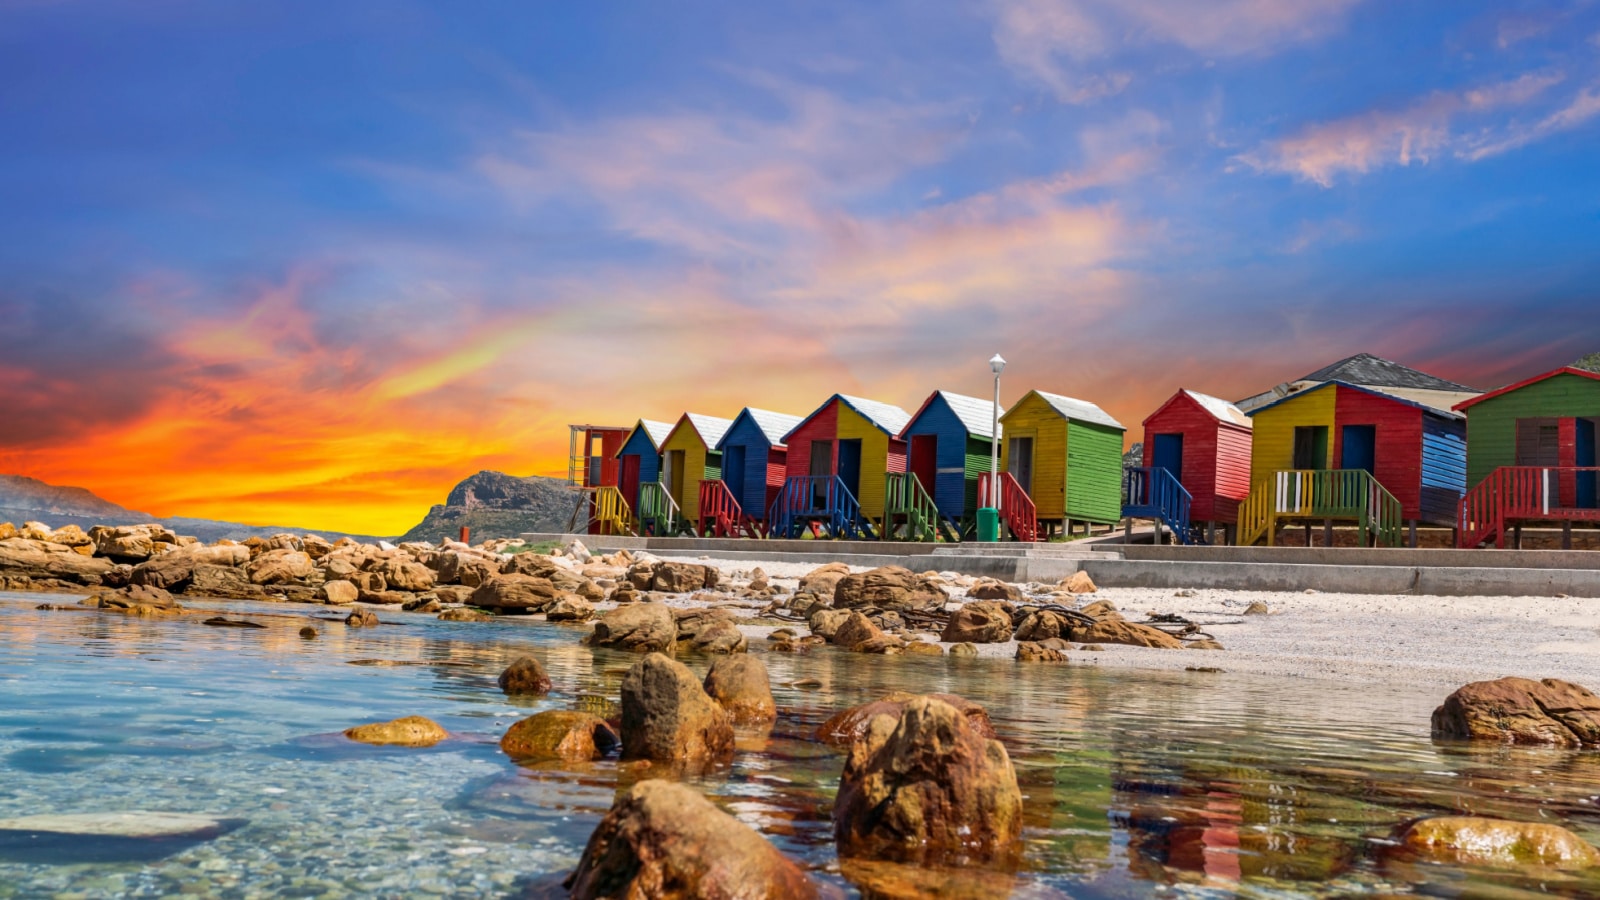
[
  {"x": 710, "y": 428},
  {"x": 1367, "y": 370},
  {"x": 1082, "y": 410},
  {"x": 657, "y": 431},
  {"x": 887, "y": 416},
  {"x": 1390, "y": 395},
  {"x": 1564, "y": 370},
  {"x": 976, "y": 415},
  {"x": 1221, "y": 409},
  {"x": 774, "y": 425}
]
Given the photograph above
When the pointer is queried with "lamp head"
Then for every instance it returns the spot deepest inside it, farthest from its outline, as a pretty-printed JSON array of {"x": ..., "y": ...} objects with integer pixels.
[{"x": 998, "y": 364}]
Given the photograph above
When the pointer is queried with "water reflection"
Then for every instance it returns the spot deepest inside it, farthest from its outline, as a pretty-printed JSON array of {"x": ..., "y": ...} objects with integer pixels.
[{"x": 1131, "y": 781}]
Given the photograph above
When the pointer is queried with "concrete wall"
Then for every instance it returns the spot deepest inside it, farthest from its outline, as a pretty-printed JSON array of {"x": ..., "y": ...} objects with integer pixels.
[{"x": 1353, "y": 556}]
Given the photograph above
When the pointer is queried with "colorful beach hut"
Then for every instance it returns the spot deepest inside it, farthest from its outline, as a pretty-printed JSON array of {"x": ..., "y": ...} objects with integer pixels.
[
  {"x": 1196, "y": 467},
  {"x": 1064, "y": 459},
  {"x": 1532, "y": 456},
  {"x": 688, "y": 458},
  {"x": 1340, "y": 451},
  {"x": 754, "y": 465},
  {"x": 948, "y": 443},
  {"x": 838, "y": 460},
  {"x": 639, "y": 462},
  {"x": 592, "y": 468}
]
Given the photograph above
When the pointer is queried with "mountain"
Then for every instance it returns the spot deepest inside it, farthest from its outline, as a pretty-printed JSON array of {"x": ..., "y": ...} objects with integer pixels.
[
  {"x": 1590, "y": 363},
  {"x": 24, "y": 499},
  {"x": 497, "y": 505}
]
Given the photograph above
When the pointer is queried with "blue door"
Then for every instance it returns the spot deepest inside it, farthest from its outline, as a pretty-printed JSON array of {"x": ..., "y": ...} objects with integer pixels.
[
  {"x": 1588, "y": 490},
  {"x": 733, "y": 476},
  {"x": 850, "y": 466},
  {"x": 1360, "y": 447},
  {"x": 1166, "y": 452}
]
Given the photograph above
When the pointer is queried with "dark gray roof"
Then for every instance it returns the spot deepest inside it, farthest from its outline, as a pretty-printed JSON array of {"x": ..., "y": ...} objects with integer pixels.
[{"x": 1372, "y": 371}]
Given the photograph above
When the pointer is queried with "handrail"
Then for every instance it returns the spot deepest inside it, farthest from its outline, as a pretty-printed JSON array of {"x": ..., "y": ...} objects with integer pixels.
[
  {"x": 821, "y": 498},
  {"x": 611, "y": 511},
  {"x": 1517, "y": 492},
  {"x": 1017, "y": 509},
  {"x": 1321, "y": 494},
  {"x": 657, "y": 510},
  {"x": 1157, "y": 493},
  {"x": 904, "y": 495},
  {"x": 720, "y": 513}
]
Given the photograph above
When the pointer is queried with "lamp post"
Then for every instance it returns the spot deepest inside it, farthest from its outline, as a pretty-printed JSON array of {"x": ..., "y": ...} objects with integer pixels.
[{"x": 990, "y": 517}]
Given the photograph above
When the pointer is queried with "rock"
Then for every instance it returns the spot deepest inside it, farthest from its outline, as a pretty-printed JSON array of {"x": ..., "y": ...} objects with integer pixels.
[
  {"x": 404, "y": 575},
  {"x": 1092, "y": 648},
  {"x": 663, "y": 840},
  {"x": 992, "y": 589},
  {"x": 462, "y": 614},
  {"x": 782, "y": 634},
  {"x": 639, "y": 627},
  {"x": 882, "y": 880},
  {"x": 308, "y": 633},
  {"x": 740, "y": 685},
  {"x": 362, "y": 618},
  {"x": 536, "y": 564},
  {"x": 1102, "y": 609},
  {"x": 1028, "y": 651},
  {"x": 226, "y": 582},
  {"x": 928, "y": 788},
  {"x": 719, "y": 636},
  {"x": 963, "y": 649},
  {"x": 855, "y": 631},
  {"x": 525, "y": 675},
  {"x": 22, "y": 558},
  {"x": 978, "y": 622},
  {"x": 7, "y": 531},
  {"x": 453, "y": 593},
  {"x": 368, "y": 582},
  {"x": 848, "y": 725},
  {"x": 427, "y": 603},
  {"x": 667, "y": 715},
  {"x": 1521, "y": 711},
  {"x": 821, "y": 581},
  {"x": 316, "y": 546},
  {"x": 382, "y": 598},
  {"x": 1078, "y": 583},
  {"x": 825, "y": 622},
  {"x": 468, "y": 568},
  {"x": 223, "y": 622},
  {"x": 137, "y": 595},
  {"x": 515, "y": 594},
  {"x": 567, "y": 734},
  {"x": 682, "y": 578},
  {"x": 570, "y": 608},
  {"x": 1257, "y": 608},
  {"x": 577, "y": 551},
  {"x": 282, "y": 566},
  {"x": 1042, "y": 624},
  {"x": 128, "y": 542},
  {"x": 886, "y": 587},
  {"x": 1202, "y": 645},
  {"x": 758, "y": 580},
  {"x": 1475, "y": 840},
  {"x": 338, "y": 593},
  {"x": 1122, "y": 632},
  {"x": 411, "y": 731},
  {"x": 923, "y": 648}
]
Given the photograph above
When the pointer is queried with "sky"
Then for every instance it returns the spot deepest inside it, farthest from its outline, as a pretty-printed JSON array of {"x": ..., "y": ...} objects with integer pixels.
[{"x": 313, "y": 263}]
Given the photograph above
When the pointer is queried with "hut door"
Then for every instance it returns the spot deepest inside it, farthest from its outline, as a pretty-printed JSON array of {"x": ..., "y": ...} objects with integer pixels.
[
  {"x": 628, "y": 481},
  {"x": 1019, "y": 462},
  {"x": 1166, "y": 452},
  {"x": 1360, "y": 447},
  {"x": 1311, "y": 447},
  {"x": 1588, "y": 482},
  {"x": 850, "y": 466},
  {"x": 733, "y": 473},
  {"x": 925, "y": 459},
  {"x": 821, "y": 466},
  {"x": 674, "y": 479}
]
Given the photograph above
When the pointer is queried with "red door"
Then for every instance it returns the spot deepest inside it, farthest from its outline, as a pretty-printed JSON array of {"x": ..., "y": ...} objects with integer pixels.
[
  {"x": 628, "y": 482},
  {"x": 925, "y": 459}
]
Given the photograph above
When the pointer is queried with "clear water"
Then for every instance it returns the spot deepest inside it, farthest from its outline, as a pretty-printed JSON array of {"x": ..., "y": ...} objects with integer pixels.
[{"x": 1135, "y": 784}]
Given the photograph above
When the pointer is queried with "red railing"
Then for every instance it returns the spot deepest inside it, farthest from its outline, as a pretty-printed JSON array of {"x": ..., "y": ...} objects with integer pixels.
[
  {"x": 720, "y": 513},
  {"x": 1527, "y": 493},
  {"x": 1016, "y": 507}
]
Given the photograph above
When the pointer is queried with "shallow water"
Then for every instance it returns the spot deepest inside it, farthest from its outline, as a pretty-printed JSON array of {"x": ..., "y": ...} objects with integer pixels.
[{"x": 1135, "y": 784}]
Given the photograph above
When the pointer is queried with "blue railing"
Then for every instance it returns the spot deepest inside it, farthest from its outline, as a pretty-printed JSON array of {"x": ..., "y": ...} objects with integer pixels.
[
  {"x": 816, "y": 498},
  {"x": 1154, "y": 493}
]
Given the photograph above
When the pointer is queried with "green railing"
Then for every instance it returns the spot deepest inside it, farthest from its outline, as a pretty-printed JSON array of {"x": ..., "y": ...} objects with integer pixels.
[
  {"x": 905, "y": 500},
  {"x": 1343, "y": 494},
  {"x": 658, "y": 512}
]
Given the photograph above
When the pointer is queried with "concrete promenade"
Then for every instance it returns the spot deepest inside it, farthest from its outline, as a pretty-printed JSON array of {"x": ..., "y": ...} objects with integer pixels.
[{"x": 1451, "y": 573}]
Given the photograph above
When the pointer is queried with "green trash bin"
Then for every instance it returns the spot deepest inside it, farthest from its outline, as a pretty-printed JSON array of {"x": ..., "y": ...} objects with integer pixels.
[{"x": 988, "y": 525}]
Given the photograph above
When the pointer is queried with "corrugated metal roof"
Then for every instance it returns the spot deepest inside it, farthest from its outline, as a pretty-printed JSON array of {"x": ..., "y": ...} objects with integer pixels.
[
  {"x": 658, "y": 431},
  {"x": 1082, "y": 410},
  {"x": 887, "y": 416},
  {"x": 772, "y": 424},
  {"x": 1367, "y": 370},
  {"x": 1222, "y": 409},
  {"x": 975, "y": 414},
  {"x": 711, "y": 428}
]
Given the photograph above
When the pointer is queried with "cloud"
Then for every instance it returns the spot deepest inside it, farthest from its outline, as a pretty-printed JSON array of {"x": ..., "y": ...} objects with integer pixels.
[
  {"x": 1416, "y": 134},
  {"x": 1585, "y": 106},
  {"x": 1055, "y": 42}
]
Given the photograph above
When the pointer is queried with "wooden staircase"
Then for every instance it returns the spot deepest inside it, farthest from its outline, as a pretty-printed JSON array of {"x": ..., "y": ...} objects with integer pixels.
[
  {"x": 1017, "y": 511},
  {"x": 720, "y": 513},
  {"x": 1155, "y": 493},
  {"x": 821, "y": 501},
  {"x": 1347, "y": 494},
  {"x": 909, "y": 514},
  {"x": 611, "y": 512},
  {"x": 659, "y": 515},
  {"x": 1524, "y": 493}
]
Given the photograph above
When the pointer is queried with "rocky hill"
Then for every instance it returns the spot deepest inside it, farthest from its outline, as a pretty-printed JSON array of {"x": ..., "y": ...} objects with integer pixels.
[
  {"x": 496, "y": 505},
  {"x": 1590, "y": 363},
  {"x": 24, "y": 499}
]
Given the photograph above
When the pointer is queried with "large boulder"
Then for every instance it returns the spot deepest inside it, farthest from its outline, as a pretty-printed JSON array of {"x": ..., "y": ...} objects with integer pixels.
[
  {"x": 1521, "y": 711},
  {"x": 709, "y": 631},
  {"x": 525, "y": 675},
  {"x": 1122, "y": 632},
  {"x": 570, "y": 608},
  {"x": 664, "y": 840},
  {"x": 1475, "y": 840},
  {"x": 24, "y": 558},
  {"x": 994, "y": 589},
  {"x": 847, "y": 726},
  {"x": 280, "y": 566},
  {"x": 537, "y": 564},
  {"x": 637, "y": 626},
  {"x": 411, "y": 731},
  {"x": 514, "y": 593},
  {"x": 129, "y": 542},
  {"x": 667, "y": 715},
  {"x": 406, "y": 575},
  {"x": 824, "y": 623},
  {"x": 683, "y": 578},
  {"x": 822, "y": 580},
  {"x": 887, "y": 587},
  {"x": 1042, "y": 625},
  {"x": 338, "y": 593},
  {"x": 468, "y": 568},
  {"x": 1029, "y": 651},
  {"x": 854, "y": 631},
  {"x": 927, "y": 788},
  {"x": 1078, "y": 583},
  {"x": 740, "y": 684},
  {"x": 978, "y": 622},
  {"x": 563, "y": 733}
]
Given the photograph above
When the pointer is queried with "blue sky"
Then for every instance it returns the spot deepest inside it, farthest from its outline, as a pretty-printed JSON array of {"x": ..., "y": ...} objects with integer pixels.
[{"x": 452, "y": 228}]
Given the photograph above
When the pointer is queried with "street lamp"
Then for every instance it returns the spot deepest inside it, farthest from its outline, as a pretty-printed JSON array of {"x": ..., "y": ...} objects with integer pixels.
[{"x": 991, "y": 515}]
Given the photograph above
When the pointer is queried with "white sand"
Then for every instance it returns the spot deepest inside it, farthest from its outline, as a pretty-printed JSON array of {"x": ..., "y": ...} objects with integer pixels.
[{"x": 1359, "y": 638}]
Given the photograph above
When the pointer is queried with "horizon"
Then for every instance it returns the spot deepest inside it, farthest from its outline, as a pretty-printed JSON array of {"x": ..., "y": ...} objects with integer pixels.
[{"x": 310, "y": 265}]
